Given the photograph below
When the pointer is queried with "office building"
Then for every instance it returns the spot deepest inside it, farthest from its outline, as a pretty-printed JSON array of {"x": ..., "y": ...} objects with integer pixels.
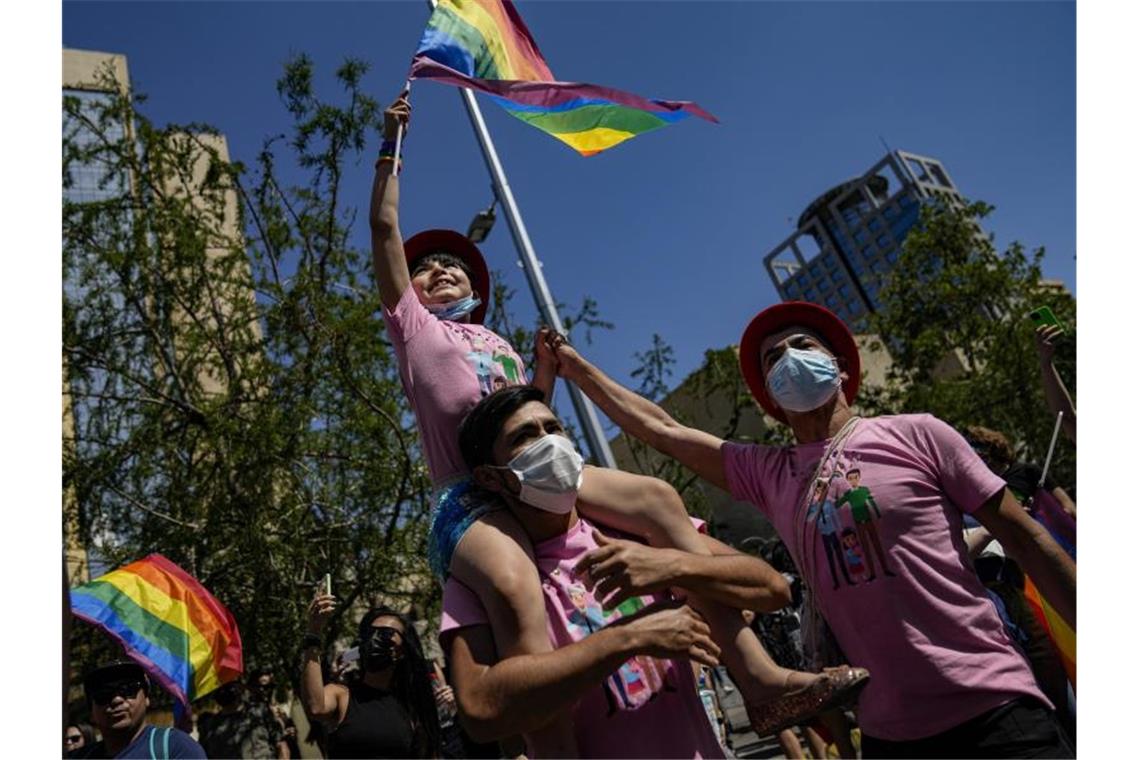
[{"x": 848, "y": 239}]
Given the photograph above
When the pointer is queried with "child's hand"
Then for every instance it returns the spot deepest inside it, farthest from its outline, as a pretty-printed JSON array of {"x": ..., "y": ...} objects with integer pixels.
[
  {"x": 543, "y": 350},
  {"x": 397, "y": 114},
  {"x": 564, "y": 353}
]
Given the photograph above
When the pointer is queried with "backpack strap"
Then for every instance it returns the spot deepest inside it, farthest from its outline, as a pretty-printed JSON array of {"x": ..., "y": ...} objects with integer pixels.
[{"x": 165, "y": 744}]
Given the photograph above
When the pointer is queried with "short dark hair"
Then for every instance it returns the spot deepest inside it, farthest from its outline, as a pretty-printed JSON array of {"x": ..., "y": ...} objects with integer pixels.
[
  {"x": 482, "y": 424},
  {"x": 443, "y": 258},
  {"x": 854, "y": 471}
]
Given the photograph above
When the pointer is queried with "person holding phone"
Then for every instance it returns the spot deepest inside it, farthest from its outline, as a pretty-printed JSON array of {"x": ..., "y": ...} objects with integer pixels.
[
  {"x": 385, "y": 709},
  {"x": 1047, "y": 332}
]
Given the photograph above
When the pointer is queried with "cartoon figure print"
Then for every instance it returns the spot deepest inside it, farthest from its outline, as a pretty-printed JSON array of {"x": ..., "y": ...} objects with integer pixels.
[
  {"x": 826, "y": 517},
  {"x": 861, "y": 503},
  {"x": 494, "y": 369},
  {"x": 483, "y": 363},
  {"x": 852, "y": 553},
  {"x": 637, "y": 680}
]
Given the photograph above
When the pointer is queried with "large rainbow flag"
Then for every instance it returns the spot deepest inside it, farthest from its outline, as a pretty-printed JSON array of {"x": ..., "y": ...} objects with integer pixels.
[
  {"x": 167, "y": 622},
  {"x": 484, "y": 45}
]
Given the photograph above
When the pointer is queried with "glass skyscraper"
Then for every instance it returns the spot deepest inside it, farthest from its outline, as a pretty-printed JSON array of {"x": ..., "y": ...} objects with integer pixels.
[{"x": 849, "y": 238}]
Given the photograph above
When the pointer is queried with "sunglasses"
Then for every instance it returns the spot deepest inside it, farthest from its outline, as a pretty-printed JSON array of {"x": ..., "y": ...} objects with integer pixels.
[
  {"x": 103, "y": 695},
  {"x": 73, "y": 738}
]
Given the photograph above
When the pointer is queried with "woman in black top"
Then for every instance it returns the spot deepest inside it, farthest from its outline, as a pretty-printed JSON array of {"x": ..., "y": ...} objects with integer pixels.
[{"x": 387, "y": 709}]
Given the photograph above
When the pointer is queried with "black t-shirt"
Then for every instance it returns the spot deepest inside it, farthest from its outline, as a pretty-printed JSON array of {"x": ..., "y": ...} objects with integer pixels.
[{"x": 375, "y": 725}]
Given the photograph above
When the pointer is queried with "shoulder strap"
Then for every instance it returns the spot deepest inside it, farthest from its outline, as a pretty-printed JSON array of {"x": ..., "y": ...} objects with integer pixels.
[
  {"x": 150, "y": 743},
  {"x": 166, "y": 743}
]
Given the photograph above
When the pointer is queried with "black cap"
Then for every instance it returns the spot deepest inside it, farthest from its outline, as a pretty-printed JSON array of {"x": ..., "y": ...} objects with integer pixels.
[{"x": 117, "y": 670}]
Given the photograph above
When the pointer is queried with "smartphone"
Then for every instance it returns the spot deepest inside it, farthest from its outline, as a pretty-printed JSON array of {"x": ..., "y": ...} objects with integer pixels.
[
  {"x": 1043, "y": 315},
  {"x": 328, "y": 585}
]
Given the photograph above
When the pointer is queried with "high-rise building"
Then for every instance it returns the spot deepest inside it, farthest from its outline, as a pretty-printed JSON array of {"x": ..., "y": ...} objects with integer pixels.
[
  {"x": 848, "y": 238},
  {"x": 96, "y": 79}
]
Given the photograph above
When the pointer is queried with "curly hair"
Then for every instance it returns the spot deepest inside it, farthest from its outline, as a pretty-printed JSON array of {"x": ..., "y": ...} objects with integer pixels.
[{"x": 993, "y": 445}]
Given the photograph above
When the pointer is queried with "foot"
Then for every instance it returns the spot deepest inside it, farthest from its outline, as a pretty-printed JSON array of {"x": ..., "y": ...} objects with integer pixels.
[{"x": 833, "y": 687}]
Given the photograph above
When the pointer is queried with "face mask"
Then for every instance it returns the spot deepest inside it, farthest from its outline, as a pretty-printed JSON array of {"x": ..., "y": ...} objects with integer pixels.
[
  {"x": 380, "y": 651},
  {"x": 550, "y": 471},
  {"x": 803, "y": 380},
  {"x": 455, "y": 310}
]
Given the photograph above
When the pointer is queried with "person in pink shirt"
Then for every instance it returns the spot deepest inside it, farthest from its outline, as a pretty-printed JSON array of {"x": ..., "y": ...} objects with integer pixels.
[
  {"x": 948, "y": 681},
  {"x": 621, "y": 645},
  {"x": 434, "y": 288}
]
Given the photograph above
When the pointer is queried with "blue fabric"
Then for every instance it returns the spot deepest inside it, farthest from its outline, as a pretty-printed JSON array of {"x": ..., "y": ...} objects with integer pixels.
[{"x": 457, "y": 506}]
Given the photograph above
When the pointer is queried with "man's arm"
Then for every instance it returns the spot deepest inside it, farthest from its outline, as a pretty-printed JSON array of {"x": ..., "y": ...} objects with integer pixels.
[
  {"x": 643, "y": 419},
  {"x": 521, "y": 694},
  {"x": 1034, "y": 549},
  {"x": 388, "y": 261},
  {"x": 628, "y": 568}
]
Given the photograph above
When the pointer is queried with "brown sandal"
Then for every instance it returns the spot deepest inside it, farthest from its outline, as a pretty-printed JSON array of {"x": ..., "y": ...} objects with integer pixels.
[{"x": 835, "y": 687}]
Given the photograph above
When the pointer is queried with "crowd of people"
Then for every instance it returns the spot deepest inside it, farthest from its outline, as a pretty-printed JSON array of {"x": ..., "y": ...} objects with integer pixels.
[{"x": 584, "y": 611}]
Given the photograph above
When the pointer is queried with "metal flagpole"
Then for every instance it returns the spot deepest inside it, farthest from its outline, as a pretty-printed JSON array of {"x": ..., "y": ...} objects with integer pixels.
[{"x": 587, "y": 416}]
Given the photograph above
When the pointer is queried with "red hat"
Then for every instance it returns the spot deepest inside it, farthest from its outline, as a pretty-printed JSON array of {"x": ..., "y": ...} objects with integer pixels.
[
  {"x": 796, "y": 314},
  {"x": 450, "y": 241}
]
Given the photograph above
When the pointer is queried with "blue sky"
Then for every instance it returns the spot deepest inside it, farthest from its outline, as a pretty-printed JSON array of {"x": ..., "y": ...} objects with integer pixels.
[{"x": 667, "y": 232}]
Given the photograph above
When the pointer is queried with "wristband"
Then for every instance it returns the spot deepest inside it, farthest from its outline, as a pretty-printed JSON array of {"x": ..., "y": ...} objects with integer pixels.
[{"x": 310, "y": 640}]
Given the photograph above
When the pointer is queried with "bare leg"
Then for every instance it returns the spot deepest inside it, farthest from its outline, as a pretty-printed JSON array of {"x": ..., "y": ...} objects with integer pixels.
[
  {"x": 495, "y": 559},
  {"x": 790, "y": 744},
  {"x": 815, "y": 742}
]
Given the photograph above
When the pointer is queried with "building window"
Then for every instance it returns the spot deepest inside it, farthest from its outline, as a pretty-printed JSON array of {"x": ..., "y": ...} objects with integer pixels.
[
  {"x": 875, "y": 224},
  {"x": 883, "y": 241}
]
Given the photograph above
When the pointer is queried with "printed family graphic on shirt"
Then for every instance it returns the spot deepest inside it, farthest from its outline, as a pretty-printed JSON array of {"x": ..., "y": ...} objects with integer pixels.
[
  {"x": 494, "y": 368},
  {"x": 851, "y": 549},
  {"x": 640, "y": 678}
]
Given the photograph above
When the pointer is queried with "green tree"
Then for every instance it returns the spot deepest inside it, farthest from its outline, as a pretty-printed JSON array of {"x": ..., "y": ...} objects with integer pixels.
[
  {"x": 236, "y": 406},
  {"x": 954, "y": 320}
]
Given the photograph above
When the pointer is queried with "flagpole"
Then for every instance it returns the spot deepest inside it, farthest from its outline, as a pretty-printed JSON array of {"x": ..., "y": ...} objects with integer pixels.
[{"x": 587, "y": 416}]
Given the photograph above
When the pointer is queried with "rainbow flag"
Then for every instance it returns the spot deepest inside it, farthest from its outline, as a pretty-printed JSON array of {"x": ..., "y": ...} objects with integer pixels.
[
  {"x": 167, "y": 622},
  {"x": 484, "y": 45},
  {"x": 1063, "y": 638}
]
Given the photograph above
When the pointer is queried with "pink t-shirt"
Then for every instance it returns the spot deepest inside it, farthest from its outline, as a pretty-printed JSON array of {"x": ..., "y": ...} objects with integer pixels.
[
  {"x": 933, "y": 641},
  {"x": 446, "y": 368},
  {"x": 648, "y": 707}
]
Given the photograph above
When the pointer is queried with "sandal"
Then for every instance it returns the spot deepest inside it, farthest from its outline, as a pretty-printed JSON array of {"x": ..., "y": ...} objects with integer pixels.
[{"x": 835, "y": 687}]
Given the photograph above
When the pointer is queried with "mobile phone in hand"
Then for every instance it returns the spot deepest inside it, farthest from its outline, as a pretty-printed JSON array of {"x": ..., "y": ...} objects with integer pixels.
[
  {"x": 1043, "y": 315},
  {"x": 328, "y": 584}
]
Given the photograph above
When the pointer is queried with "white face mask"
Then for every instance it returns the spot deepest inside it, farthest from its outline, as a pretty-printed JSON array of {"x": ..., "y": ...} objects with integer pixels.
[
  {"x": 550, "y": 471},
  {"x": 803, "y": 380}
]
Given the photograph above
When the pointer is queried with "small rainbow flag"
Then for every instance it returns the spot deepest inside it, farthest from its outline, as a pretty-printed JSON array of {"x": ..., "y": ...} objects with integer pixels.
[
  {"x": 484, "y": 45},
  {"x": 167, "y": 622}
]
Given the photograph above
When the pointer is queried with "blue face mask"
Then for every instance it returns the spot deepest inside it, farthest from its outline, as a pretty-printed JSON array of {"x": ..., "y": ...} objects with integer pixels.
[
  {"x": 455, "y": 310},
  {"x": 803, "y": 380}
]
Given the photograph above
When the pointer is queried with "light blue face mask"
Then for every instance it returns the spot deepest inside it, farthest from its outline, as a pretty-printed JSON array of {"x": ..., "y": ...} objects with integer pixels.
[
  {"x": 455, "y": 310},
  {"x": 803, "y": 380}
]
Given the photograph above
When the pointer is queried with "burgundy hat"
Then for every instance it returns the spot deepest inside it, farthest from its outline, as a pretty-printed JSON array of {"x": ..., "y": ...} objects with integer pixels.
[
  {"x": 450, "y": 241},
  {"x": 796, "y": 314}
]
